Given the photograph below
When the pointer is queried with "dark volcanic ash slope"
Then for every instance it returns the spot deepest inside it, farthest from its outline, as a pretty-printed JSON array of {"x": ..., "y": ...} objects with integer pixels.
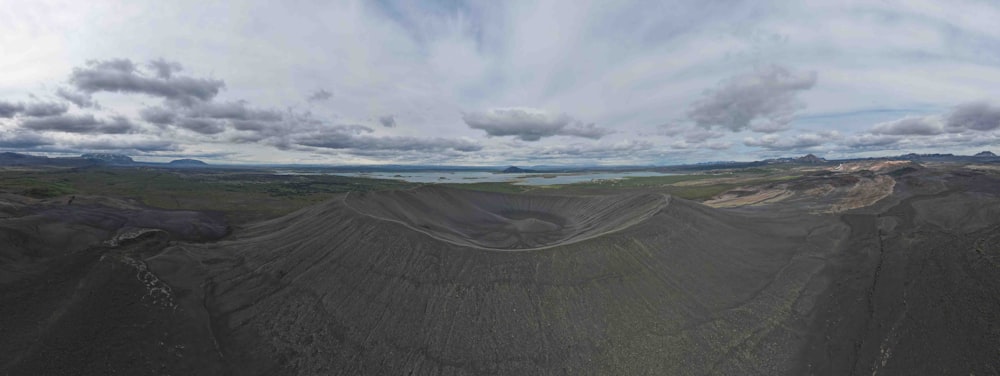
[
  {"x": 77, "y": 298},
  {"x": 439, "y": 281},
  {"x": 917, "y": 289},
  {"x": 623, "y": 285}
]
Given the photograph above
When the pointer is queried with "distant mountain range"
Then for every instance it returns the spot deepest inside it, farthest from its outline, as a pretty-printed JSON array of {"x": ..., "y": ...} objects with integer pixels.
[
  {"x": 187, "y": 162},
  {"x": 91, "y": 159},
  {"x": 107, "y": 159},
  {"x": 517, "y": 170},
  {"x": 807, "y": 159}
]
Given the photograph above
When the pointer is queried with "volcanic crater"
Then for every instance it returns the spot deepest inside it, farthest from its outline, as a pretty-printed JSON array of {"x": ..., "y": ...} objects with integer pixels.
[{"x": 506, "y": 222}]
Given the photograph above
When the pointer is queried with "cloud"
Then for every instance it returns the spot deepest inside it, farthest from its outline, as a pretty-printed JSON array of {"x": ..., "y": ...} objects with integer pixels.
[
  {"x": 358, "y": 138},
  {"x": 141, "y": 145},
  {"x": 81, "y": 100},
  {"x": 718, "y": 145},
  {"x": 122, "y": 76},
  {"x": 701, "y": 135},
  {"x": 592, "y": 150},
  {"x": 163, "y": 68},
  {"x": 872, "y": 141},
  {"x": 36, "y": 109},
  {"x": 118, "y": 125},
  {"x": 213, "y": 117},
  {"x": 525, "y": 124},
  {"x": 86, "y": 123},
  {"x": 203, "y": 126},
  {"x": 763, "y": 101},
  {"x": 230, "y": 111},
  {"x": 319, "y": 96},
  {"x": 713, "y": 145},
  {"x": 632, "y": 64},
  {"x": 22, "y": 140},
  {"x": 792, "y": 142},
  {"x": 590, "y": 131},
  {"x": 9, "y": 109},
  {"x": 158, "y": 115},
  {"x": 388, "y": 121},
  {"x": 40, "y": 109},
  {"x": 971, "y": 117},
  {"x": 910, "y": 126},
  {"x": 974, "y": 116},
  {"x": 692, "y": 137},
  {"x": 529, "y": 124}
]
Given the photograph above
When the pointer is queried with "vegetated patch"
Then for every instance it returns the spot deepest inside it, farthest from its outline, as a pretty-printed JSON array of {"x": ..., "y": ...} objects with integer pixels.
[
  {"x": 243, "y": 195},
  {"x": 31, "y": 186}
]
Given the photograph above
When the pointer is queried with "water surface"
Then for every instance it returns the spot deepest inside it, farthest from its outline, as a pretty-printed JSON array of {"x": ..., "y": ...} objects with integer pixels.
[{"x": 460, "y": 177}]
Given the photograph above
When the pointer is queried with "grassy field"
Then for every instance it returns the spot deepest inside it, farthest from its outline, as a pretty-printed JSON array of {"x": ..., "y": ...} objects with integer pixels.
[{"x": 243, "y": 196}]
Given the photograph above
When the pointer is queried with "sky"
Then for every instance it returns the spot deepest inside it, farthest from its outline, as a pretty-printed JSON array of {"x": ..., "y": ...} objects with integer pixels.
[{"x": 499, "y": 82}]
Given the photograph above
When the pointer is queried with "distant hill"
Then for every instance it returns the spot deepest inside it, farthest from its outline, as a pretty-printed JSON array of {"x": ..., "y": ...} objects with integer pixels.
[
  {"x": 808, "y": 159},
  {"x": 985, "y": 154},
  {"x": 9, "y": 155},
  {"x": 109, "y": 158},
  {"x": 18, "y": 159},
  {"x": 8, "y": 158},
  {"x": 516, "y": 170},
  {"x": 912, "y": 156},
  {"x": 187, "y": 162}
]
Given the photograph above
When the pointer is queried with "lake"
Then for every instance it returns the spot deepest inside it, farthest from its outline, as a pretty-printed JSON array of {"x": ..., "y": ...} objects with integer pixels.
[{"x": 490, "y": 177}]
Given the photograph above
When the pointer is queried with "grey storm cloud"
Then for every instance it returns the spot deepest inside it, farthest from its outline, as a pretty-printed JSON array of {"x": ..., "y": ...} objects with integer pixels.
[
  {"x": 319, "y": 96},
  {"x": 36, "y": 109},
  {"x": 203, "y": 126},
  {"x": 763, "y": 101},
  {"x": 86, "y": 123},
  {"x": 279, "y": 131},
  {"x": 590, "y": 131},
  {"x": 81, "y": 100},
  {"x": 693, "y": 137},
  {"x": 786, "y": 142},
  {"x": 9, "y": 109},
  {"x": 701, "y": 135},
  {"x": 599, "y": 150},
  {"x": 388, "y": 121},
  {"x": 40, "y": 109},
  {"x": 359, "y": 137},
  {"x": 975, "y": 116},
  {"x": 530, "y": 124},
  {"x": 118, "y": 125},
  {"x": 211, "y": 117},
  {"x": 872, "y": 141},
  {"x": 165, "y": 69},
  {"x": 122, "y": 75},
  {"x": 22, "y": 140},
  {"x": 230, "y": 111},
  {"x": 910, "y": 126},
  {"x": 140, "y": 145},
  {"x": 158, "y": 115}
]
